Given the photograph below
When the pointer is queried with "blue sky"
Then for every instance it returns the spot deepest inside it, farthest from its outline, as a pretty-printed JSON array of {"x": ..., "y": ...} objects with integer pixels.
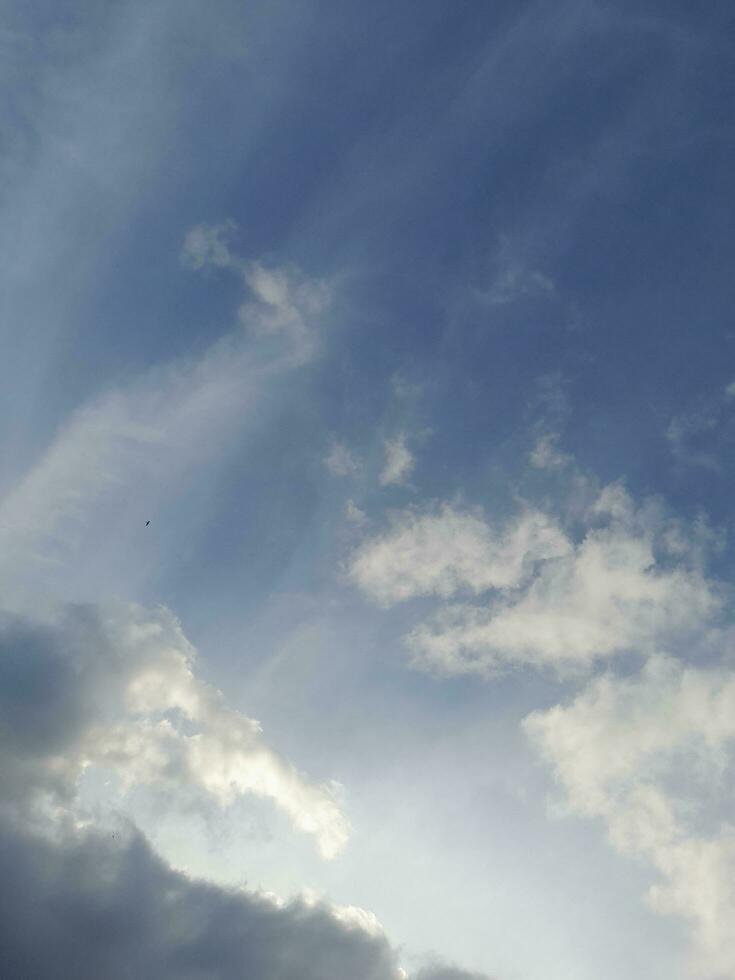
[{"x": 407, "y": 327}]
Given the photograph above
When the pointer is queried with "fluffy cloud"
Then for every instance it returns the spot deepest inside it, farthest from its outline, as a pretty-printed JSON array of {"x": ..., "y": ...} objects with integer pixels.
[
  {"x": 399, "y": 462},
  {"x": 117, "y": 689},
  {"x": 605, "y": 597},
  {"x": 449, "y": 550},
  {"x": 89, "y": 898},
  {"x": 652, "y": 756},
  {"x": 630, "y": 582}
]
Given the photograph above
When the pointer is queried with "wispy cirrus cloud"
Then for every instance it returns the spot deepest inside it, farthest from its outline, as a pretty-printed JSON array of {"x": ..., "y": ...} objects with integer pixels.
[
  {"x": 284, "y": 301},
  {"x": 144, "y": 436},
  {"x": 340, "y": 461}
]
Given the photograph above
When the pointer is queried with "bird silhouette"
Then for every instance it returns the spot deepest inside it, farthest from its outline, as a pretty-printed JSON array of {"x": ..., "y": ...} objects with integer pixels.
[{"x": 147, "y": 523}]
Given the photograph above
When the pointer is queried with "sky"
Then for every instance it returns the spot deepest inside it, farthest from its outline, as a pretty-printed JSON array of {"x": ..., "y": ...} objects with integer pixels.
[{"x": 367, "y": 412}]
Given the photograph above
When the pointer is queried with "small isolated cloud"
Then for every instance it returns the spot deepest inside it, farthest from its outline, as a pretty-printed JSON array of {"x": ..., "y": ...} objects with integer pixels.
[
  {"x": 703, "y": 436},
  {"x": 341, "y": 462},
  {"x": 206, "y": 245},
  {"x": 354, "y": 514},
  {"x": 630, "y": 583},
  {"x": 512, "y": 279},
  {"x": 546, "y": 455},
  {"x": 692, "y": 439},
  {"x": 399, "y": 462},
  {"x": 652, "y": 756},
  {"x": 284, "y": 302}
]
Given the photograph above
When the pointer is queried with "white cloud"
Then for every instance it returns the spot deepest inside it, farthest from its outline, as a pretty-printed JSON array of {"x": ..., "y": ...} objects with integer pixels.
[
  {"x": 115, "y": 688},
  {"x": 399, "y": 462},
  {"x": 127, "y": 699},
  {"x": 286, "y": 302},
  {"x": 631, "y": 582},
  {"x": 652, "y": 756},
  {"x": 603, "y": 598},
  {"x": 449, "y": 550},
  {"x": 341, "y": 462}
]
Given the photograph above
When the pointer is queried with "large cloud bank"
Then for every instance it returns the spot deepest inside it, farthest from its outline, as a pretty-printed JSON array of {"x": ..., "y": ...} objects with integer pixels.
[
  {"x": 115, "y": 688},
  {"x": 620, "y": 593}
]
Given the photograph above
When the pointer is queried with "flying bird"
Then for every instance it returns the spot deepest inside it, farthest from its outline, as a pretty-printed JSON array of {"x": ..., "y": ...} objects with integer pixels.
[{"x": 147, "y": 523}]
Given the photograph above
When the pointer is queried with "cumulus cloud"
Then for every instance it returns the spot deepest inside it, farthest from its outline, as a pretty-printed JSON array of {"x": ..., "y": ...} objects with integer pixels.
[
  {"x": 89, "y": 898},
  {"x": 605, "y": 597},
  {"x": 399, "y": 462},
  {"x": 630, "y": 582},
  {"x": 448, "y": 550},
  {"x": 116, "y": 688},
  {"x": 652, "y": 756}
]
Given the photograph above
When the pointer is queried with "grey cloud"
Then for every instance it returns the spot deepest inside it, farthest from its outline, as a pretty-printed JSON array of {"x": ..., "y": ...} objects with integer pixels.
[
  {"x": 90, "y": 907},
  {"x": 81, "y": 901},
  {"x": 447, "y": 973},
  {"x": 116, "y": 688}
]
